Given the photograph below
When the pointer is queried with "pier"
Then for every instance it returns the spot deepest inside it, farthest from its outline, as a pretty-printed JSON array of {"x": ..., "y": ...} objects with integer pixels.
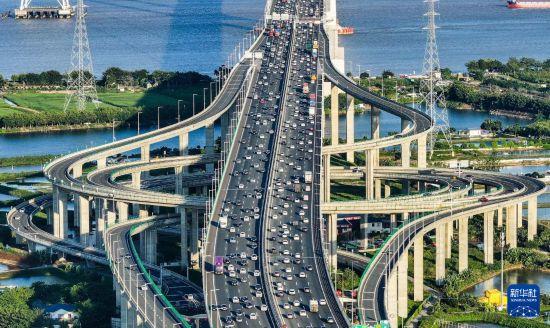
[{"x": 26, "y": 11}]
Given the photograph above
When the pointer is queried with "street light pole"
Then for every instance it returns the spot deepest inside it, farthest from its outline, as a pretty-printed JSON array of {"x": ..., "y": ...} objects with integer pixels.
[
  {"x": 194, "y": 95},
  {"x": 179, "y": 101},
  {"x": 501, "y": 270},
  {"x": 158, "y": 117},
  {"x": 204, "y": 98},
  {"x": 138, "y": 113}
]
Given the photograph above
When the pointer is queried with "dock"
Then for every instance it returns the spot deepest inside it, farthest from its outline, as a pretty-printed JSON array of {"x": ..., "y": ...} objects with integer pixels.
[{"x": 44, "y": 13}]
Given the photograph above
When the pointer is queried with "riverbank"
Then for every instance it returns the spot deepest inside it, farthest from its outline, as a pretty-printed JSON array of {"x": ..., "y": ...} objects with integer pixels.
[{"x": 61, "y": 127}]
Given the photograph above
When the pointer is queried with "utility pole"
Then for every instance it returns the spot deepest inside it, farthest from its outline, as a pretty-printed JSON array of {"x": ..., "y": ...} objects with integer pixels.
[
  {"x": 179, "y": 117},
  {"x": 431, "y": 86},
  {"x": 80, "y": 77}
]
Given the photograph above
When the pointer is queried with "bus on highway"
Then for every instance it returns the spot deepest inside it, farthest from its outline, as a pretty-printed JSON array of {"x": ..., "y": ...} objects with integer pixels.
[{"x": 218, "y": 265}]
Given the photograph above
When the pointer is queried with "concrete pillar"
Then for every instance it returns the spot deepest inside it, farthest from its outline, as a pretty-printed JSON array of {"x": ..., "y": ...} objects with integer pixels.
[
  {"x": 375, "y": 131},
  {"x": 369, "y": 173},
  {"x": 122, "y": 209},
  {"x": 439, "y": 254},
  {"x": 224, "y": 126},
  {"x": 178, "y": 172},
  {"x": 60, "y": 221},
  {"x": 117, "y": 289},
  {"x": 364, "y": 231},
  {"x": 101, "y": 163},
  {"x": 406, "y": 154},
  {"x": 145, "y": 152},
  {"x": 511, "y": 226},
  {"x": 391, "y": 296},
  {"x": 387, "y": 191},
  {"x": 100, "y": 221},
  {"x": 405, "y": 216},
  {"x": 448, "y": 239},
  {"x": 125, "y": 306},
  {"x": 183, "y": 240},
  {"x": 82, "y": 211},
  {"x": 194, "y": 245},
  {"x": 422, "y": 152},
  {"x": 326, "y": 178},
  {"x": 77, "y": 171},
  {"x": 418, "y": 281},
  {"x": 499, "y": 217},
  {"x": 531, "y": 218},
  {"x": 136, "y": 180},
  {"x": 183, "y": 141},
  {"x": 209, "y": 147},
  {"x": 111, "y": 216},
  {"x": 488, "y": 243},
  {"x": 402, "y": 282},
  {"x": 463, "y": 244},
  {"x": 334, "y": 115},
  {"x": 332, "y": 240},
  {"x": 406, "y": 187},
  {"x": 350, "y": 128},
  {"x": 152, "y": 241},
  {"x": 519, "y": 214},
  {"x": 377, "y": 188}
]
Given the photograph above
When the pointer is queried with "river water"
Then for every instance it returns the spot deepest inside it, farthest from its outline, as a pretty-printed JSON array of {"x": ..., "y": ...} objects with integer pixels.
[
  {"x": 514, "y": 277},
  {"x": 198, "y": 35}
]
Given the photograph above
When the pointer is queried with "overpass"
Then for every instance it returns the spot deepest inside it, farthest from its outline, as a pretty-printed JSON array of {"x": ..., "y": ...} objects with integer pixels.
[{"x": 275, "y": 247}]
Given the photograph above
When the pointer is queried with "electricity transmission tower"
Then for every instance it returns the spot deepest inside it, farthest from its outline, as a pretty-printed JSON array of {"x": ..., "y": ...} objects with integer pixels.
[
  {"x": 80, "y": 78},
  {"x": 431, "y": 87}
]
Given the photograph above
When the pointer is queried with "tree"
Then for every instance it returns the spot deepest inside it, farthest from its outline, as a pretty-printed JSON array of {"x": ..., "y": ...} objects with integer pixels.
[
  {"x": 364, "y": 75},
  {"x": 494, "y": 126},
  {"x": 386, "y": 74},
  {"x": 446, "y": 73}
]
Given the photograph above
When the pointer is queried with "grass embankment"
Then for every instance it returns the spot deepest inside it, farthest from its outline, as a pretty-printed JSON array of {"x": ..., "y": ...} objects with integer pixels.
[{"x": 25, "y": 160}]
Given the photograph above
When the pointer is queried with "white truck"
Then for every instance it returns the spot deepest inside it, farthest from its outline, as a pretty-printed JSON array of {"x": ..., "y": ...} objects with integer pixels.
[
  {"x": 308, "y": 176},
  {"x": 223, "y": 222},
  {"x": 313, "y": 306}
]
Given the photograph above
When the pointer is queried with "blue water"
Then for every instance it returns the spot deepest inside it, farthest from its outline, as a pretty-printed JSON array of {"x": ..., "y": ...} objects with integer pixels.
[
  {"x": 198, "y": 35},
  {"x": 28, "y": 281}
]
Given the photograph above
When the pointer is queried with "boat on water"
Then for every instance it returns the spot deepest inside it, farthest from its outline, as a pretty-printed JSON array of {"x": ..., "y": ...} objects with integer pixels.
[
  {"x": 529, "y": 4},
  {"x": 345, "y": 30}
]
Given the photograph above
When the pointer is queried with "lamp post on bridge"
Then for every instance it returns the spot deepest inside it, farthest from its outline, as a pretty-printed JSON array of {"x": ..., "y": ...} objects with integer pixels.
[
  {"x": 204, "y": 98},
  {"x": 158, "y": 116},
  {"x": 179, "y": 101},
  {"x": 194, "y": 95},
  {"x": 138, "y": 113},
  {"x": 211, "y": 90}
]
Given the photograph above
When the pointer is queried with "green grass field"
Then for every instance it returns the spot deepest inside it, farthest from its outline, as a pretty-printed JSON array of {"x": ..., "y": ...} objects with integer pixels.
[
  {"x": 6, "y": 109},
  {"x": 43, "y": 102}
]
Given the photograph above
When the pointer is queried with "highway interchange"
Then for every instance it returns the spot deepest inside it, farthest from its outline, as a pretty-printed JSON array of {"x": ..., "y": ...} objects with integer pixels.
[{"x": 272, "y": 247}]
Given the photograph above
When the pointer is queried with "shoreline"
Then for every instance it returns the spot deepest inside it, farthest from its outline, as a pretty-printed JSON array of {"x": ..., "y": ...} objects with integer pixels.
[{"x": 58, "y": 128}]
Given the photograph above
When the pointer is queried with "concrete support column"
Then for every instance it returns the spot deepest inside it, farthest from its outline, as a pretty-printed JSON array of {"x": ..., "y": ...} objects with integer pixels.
[
  {"x": 391, "y": 296},
  {"x": 101, "y": 163},
  {"x": 406, "y": 187},
  {"x": 334, "y": 115},
  {"x": 463, "y": 244},
  {"x": 143, "y": 212},
  {"x": 531, "y": 218},
  {"x": 194, "y": 247},
  {"x": 125, "y": 307},
  {"x": 111, "y": 216},
  {"x": 402, "y": 282},
  {"x": 224, "y": 126},
  {"x": 364, "y": 231},
  {"x": 77, "y": 171},
  {"x": 387, "y": 191},
  {"x": 326, "y": 178},
  {"x": 136, "y": 180},
  {"x": 183, "y": 143},
  {"x": 375, "y": 131},
  {"x": 178, "y": 172},
  {"x": 406, "y": 154},
  {"x": 488, "y": 243},
  {"x": 499, "y": 217},
  {"x": 350, "y": 128},
  {"x": 511, "y": 226},
  {"x": 519, "y": 214},
  {"x": 448, "y": 239},
  {"x": 369, "y": 173},
  {"x": 183, "y": 240},
  {"x": 332, "y": 240},
  {"x": 60, "y": 217},
  {"x": 422, "y": 148},
  {"x": 117, "y": 289},
  {"x": 377, "y": 189},
  {"x": 100, "y": 221},
  {"x": 439, "y": 254},
  {"x": 82, "y": 211},
  {"x": 145, "y": 152},
  {"x": 418, "y": 281},
  {"x": 209, "y": 147},
  {"x": 405, "y": 216},
  {"x": 122, "y": 209},
  {"x": 152, "y": 241}
]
